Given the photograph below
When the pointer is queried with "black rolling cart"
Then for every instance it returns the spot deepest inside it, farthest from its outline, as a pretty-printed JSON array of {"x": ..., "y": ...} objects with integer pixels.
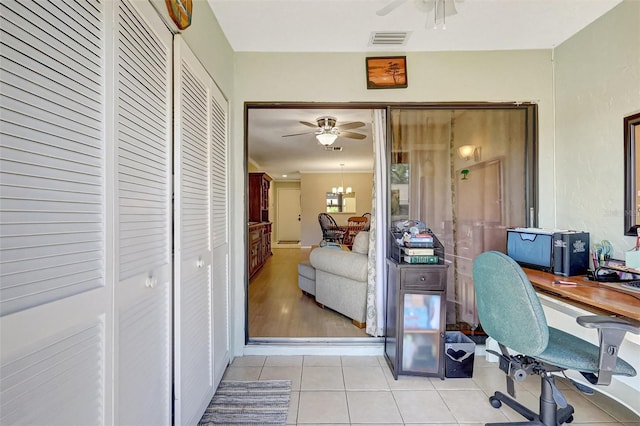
[{"x": 415, "y": 312}]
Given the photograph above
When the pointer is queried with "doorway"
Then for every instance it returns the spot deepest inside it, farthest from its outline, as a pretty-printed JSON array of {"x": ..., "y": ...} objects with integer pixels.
[
  {"x": 431, "y": 177},
  {"x": 281, "y": 141}
]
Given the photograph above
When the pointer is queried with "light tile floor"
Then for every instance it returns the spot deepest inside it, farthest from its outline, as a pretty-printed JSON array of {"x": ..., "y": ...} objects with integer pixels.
[{"x": 357, "y": 390}]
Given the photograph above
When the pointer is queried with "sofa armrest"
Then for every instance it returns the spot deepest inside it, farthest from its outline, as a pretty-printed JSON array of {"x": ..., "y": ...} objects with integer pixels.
[{"x": 339, "y": 262}]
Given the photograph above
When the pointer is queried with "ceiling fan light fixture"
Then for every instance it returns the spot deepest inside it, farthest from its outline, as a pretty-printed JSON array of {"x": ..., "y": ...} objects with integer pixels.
[{"x": 326, "y": 139}]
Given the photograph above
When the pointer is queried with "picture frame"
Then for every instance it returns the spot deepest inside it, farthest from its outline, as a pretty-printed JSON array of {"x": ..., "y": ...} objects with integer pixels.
[
  {"x": 180, "y": 12},
  {"x": 387, "y": 72}
]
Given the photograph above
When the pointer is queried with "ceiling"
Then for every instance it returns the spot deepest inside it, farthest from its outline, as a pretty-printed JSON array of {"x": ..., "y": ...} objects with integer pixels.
[
  {"x": 347, "y": 26},
  {"x": 291, "y": 156}
]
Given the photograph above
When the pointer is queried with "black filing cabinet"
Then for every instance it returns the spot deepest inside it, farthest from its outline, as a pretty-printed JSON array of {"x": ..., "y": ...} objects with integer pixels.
[{"x": 415, "y": 318}]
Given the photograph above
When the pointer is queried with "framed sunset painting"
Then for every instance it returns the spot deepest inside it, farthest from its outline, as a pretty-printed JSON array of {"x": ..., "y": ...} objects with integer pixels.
[{"x": 387, "y": 72}]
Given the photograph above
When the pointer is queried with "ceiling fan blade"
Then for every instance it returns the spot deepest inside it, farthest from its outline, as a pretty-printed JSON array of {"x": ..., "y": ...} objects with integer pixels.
[
  {"x": 353, "y": 135},
  {"x": 306, "y": 123},
  {"x": 388, "y": 8},
  {"x": 297, "y": 134},
  {"x": 349, "y": 126},
  {"x": 450, "y": 7},
  {"x": 443, "y": 9}
]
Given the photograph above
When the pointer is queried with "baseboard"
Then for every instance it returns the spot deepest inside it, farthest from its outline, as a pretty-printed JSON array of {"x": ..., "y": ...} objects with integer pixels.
[{"x": 366, "y": 346}]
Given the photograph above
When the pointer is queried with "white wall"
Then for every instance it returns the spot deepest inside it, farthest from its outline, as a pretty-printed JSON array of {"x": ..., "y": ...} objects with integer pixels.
[
  {"x": 433, "y": 77},
  {"x": 597, "y": 78}
]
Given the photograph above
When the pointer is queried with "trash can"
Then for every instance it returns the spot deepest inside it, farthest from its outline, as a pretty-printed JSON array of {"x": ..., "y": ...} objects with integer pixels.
[{"x": 459, "y": 351}]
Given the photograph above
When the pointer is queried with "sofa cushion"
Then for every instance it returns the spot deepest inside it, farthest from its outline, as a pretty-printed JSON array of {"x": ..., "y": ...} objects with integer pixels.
[
  {"x": 306, "y": 270},
  {"x": 342, "y": 263},
  {"x": 361, "y": 243}
]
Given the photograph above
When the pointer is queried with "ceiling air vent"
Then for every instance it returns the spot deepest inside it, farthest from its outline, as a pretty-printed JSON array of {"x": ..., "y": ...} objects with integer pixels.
[
  {"x": 333, "y": 148},
  {"x": 389, "y": 38}
]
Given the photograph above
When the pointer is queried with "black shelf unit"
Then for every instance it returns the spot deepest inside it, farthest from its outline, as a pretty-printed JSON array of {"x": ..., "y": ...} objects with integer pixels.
[
  {"x": 415, "y": 318},
  {"x": 396, "y": 251}
]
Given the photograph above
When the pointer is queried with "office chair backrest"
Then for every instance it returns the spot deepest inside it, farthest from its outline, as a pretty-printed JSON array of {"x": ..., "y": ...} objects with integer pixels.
[{"x": 508, "y": 307}]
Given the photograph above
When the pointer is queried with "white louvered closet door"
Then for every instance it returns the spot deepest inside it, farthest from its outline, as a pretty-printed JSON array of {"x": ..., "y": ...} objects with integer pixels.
[
  {"x": 55, "y": 285},
  {"x": 193, "y": 339},
  {"x": 219, "y": 228},
  {"x": 143, "y": 292}
]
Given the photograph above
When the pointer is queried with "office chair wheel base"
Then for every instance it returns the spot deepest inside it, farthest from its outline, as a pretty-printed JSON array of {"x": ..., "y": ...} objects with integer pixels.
[{"x": 495, "y": 402}]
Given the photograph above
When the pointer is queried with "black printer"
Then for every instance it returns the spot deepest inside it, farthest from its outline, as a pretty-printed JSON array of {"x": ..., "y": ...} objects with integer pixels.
[{"x": 561, "y": 252}]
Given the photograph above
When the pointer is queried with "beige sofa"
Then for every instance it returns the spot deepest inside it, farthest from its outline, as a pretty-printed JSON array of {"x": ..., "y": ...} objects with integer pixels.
[{"x": 341, "y": 278}]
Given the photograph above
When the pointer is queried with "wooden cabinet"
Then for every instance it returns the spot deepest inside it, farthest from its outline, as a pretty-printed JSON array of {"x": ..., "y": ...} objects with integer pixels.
[
  {"x": 259, "y": 183},
  {"x": 259, "y": 245},
  {"x": 415, "y": 318}
]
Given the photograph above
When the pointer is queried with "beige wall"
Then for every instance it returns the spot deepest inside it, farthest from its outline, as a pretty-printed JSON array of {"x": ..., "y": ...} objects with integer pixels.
[
  {"x": 597, "y": 77},
  {"x": 314, "y": 187},
  {"x": 210, "y": 45}
]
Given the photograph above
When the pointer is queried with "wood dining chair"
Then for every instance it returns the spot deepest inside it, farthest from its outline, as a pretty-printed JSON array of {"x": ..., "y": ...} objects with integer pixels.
[{"x": 355, "y": 224}]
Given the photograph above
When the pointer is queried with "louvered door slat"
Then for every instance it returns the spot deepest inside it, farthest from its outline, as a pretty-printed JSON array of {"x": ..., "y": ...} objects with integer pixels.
[
  {"x": 32, "y": 42},
  {"x": 49, "y": 165},
  {"x": 40, "y": 106},
  {"x": 73, "y": 359},
  {"x": 131, "y": 133},
  {"x": 219, "y": 171},
  {"x": 73, "y": 17},
  {"x": 46, "y": 85},
  {"x": 61, "y": 47},
  {"x": 194, "y": 165}
]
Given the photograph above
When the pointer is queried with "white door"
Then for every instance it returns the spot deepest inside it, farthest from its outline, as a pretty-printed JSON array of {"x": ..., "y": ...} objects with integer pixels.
[
  {"x": 193, "y": 339},
  {"x": 219, "y": 233},
  {"x": 288, "y": 222},
  {"x": 55, "y": 245},
  {"x": 142, "y": 303}
]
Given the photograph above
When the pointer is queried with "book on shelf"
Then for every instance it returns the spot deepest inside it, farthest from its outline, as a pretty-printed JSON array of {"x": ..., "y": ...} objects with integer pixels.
[
  {"x": 419, "y": 251},
  {"x": 422, "y": 235},
  {"x": 418, "y": 240},
  {"x": 421, "y": 259},
  {"x": 418, "y": 244}
]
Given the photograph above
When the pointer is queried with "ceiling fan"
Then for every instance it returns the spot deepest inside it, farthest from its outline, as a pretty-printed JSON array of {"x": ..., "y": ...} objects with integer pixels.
[
  {"x": 327, "y": 131},
  {"x": 440, "y": 8}
]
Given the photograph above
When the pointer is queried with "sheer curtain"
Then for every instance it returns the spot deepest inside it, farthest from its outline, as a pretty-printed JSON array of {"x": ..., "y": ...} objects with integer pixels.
[{"x": 377, "y": 238}]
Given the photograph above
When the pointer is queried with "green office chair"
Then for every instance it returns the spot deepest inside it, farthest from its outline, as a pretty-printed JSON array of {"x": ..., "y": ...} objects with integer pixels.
[{"x": 510, "y": 313}]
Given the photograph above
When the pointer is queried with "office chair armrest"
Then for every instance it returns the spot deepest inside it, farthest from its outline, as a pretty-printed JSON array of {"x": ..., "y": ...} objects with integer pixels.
[
  {"x": 611, "y": 331},
  {"x": 602, "y": 321}
]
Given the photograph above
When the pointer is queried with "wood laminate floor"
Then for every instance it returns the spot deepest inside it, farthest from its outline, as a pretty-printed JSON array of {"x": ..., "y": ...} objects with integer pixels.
[{"x": 277, "y": 307}]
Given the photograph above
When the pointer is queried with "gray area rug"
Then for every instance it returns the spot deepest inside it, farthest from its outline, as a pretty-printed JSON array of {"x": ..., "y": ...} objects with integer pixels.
[{"x": 264, "y": 402}]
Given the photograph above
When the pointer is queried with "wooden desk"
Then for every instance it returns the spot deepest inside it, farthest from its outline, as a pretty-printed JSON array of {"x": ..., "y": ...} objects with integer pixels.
[
  {"x": 562, "y": 305},
  {"x": 591, "y": 295}
]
